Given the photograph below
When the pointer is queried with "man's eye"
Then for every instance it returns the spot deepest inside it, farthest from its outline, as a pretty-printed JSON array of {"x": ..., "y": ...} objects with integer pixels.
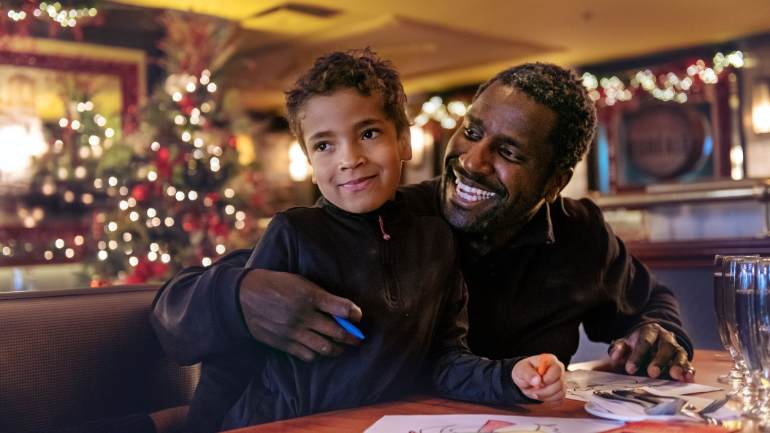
[
  {"x": 370, "y": 134},
  {"x": 509, "y": 153},
  {"x": 472, "y": 134}
]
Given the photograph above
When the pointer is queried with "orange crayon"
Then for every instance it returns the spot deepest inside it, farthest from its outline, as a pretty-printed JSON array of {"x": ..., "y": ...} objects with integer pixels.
[{"x": 543, "y": 365}]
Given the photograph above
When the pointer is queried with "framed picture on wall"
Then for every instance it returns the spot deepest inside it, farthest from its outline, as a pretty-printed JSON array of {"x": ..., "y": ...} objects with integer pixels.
[
  {"x": 665, "y": 143},
  {"x": 63, "y": 106},
  {"x": 645, "y": 141}
]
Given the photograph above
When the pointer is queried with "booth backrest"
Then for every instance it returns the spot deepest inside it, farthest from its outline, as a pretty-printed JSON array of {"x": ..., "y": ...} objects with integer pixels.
[{"x": 67, "y": 357}]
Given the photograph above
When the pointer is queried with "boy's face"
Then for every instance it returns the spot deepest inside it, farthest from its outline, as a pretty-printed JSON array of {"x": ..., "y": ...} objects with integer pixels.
[{"x": 354, "y": 149}]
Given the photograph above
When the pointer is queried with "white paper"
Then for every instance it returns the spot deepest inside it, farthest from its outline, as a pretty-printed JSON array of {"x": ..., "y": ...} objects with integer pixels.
[
  {"x": 486, "y": 424},
  {"x": 582, "y": 383}
]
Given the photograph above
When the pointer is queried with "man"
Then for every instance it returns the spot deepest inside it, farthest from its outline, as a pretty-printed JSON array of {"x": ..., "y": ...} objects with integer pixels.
[{"x": 536, "y": 265}]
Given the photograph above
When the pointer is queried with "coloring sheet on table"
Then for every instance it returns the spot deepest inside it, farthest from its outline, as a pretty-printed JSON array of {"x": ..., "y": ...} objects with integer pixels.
[
  {"x": 486, "y": 424},
  {"x": 582, "y": 383}
]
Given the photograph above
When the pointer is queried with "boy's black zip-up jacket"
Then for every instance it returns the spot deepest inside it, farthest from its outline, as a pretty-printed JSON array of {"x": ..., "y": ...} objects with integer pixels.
[{"x": 409, "y": 287}]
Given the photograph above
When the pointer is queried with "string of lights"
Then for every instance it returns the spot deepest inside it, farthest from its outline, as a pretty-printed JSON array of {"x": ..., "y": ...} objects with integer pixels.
[
  {"x": 67, "y": 14},
  {"x": 608, "y": 90}
]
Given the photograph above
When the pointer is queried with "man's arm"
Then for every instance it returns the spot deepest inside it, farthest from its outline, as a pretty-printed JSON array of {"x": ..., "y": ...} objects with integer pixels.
[
  {"x": 642, "y": 317},
  {"x": 205, "y": 311},
  {"x": 185, "y": 318}
]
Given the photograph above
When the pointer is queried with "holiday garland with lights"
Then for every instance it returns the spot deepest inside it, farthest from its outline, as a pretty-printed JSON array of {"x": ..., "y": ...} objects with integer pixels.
[
  {"x": 607, "y": 91},
  {"x": 176, "y": 208},
  {"x": 16, "y": 16}
]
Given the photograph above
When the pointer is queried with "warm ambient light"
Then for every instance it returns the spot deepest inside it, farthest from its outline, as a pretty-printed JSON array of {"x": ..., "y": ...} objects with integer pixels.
[
  {"x": 421, "y": 140},
  {"x": 21, "y": 141},
  {"x": 299, "y": 168},
  {"x": 760, "y": 106}
]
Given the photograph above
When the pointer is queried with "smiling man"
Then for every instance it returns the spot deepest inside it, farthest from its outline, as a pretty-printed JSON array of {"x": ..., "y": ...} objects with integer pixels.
[{"x": 537, "y": 265}]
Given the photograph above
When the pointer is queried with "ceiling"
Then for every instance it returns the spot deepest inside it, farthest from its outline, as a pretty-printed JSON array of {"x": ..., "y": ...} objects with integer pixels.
[{"x": 442, "y": 44}]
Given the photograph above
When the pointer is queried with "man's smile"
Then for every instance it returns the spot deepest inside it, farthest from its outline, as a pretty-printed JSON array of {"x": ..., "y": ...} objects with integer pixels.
[
  {"x": 472, "y": 194},
  {"x": 468, "y": 193}
]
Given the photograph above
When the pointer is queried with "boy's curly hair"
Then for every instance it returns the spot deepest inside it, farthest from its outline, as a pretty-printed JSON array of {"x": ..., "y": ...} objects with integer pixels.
[
  {"x": 362, "y": 70},
  {"x": 562, "y": 91}
]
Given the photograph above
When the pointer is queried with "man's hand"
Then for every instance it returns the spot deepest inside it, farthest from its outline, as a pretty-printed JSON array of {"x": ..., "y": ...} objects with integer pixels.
[
  {"x": 540, "y": 377},
  {"x": 655, "y": 347},
  {"x": 291, "y": 314}
]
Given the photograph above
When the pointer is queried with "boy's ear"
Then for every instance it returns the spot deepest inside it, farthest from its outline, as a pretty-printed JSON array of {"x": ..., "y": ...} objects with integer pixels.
[{"x": 405, "y": 145}]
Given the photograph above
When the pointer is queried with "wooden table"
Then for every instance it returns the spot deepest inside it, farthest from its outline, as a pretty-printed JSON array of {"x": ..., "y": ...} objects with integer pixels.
[{"x": 708, "y": 363}]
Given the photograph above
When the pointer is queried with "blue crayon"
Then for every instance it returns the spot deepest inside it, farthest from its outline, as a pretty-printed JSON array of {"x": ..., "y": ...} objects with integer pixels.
[{"x": 351, "y": 328}]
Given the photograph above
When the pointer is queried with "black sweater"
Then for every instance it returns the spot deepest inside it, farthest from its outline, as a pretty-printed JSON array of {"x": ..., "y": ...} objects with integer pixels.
[
  {"x": 413, "y": 299},
  {"x": 564, "y": 268}
]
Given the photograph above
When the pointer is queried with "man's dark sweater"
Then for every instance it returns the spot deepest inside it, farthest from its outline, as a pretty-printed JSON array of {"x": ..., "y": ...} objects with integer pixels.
[
  {"x": 414, "y": 301},
  {"x": 564, "y": 268}
]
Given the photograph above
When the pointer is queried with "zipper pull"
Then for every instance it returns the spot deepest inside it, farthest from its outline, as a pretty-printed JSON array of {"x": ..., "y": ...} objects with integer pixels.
[{"x": 385, "y": 235}]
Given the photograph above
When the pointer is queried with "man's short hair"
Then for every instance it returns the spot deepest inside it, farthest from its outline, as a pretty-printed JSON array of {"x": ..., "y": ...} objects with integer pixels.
[
  {"x": 362, "y": 70},
  {"x": 563, "y": 92}
]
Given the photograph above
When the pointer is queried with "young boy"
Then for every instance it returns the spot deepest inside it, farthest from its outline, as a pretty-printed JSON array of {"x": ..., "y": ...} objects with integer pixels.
[{"x": 363, "y": 242}]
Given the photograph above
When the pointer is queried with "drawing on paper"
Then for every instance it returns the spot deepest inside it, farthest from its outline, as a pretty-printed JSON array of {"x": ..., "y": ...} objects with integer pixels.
[
  {"x": 485, "y": 423},
  {"x": 493, "y": 426}
]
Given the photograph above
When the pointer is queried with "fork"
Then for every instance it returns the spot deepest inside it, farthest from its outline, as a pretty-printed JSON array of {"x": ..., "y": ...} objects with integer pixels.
[
  {"x": 714, "y": 405},
  {"x": 702, "y": 414}
]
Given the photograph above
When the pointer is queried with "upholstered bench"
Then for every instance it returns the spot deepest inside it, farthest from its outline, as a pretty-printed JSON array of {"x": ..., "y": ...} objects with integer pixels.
[{"x": 70, "y": 356}]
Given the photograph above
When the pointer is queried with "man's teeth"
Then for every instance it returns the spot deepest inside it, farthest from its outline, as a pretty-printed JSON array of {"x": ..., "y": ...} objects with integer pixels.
[{"x": 469, "y": 193}]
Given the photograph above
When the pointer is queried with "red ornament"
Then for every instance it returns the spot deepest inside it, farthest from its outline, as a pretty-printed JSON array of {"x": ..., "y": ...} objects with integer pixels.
[
  {"x": 162, "y": 163},
  {"x": 190, "y": 223},
  {"x": 219, "y": 230},
  {"x": 213, "y": 196},
  {"x": 146, "y": 270},
  {"x": 163, "y": 154},
  {"x": 186, "y": 105},
  {"x": 139, "y": 192}
]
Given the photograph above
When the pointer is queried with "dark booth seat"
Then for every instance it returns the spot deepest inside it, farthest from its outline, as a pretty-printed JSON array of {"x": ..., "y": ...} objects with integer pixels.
[{"x": 70, "y": 356}]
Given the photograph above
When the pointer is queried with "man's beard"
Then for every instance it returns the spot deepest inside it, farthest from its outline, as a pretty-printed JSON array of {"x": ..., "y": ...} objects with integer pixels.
[{"x": 471, "y": 221}]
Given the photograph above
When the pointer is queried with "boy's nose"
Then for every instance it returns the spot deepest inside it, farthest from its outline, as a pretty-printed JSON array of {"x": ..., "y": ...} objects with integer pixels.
[{"x": 351, "y": 157}]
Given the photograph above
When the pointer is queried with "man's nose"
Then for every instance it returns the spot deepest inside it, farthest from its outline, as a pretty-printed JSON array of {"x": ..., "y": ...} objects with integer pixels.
[
  {"x": 477, "y": 159},
  {"x": 351, "y": 156}
]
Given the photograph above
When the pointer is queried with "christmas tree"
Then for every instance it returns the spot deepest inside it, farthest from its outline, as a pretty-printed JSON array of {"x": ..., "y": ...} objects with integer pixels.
[
  {"x": 175, "y": 207},
  {"x": 66, "y": 178}
]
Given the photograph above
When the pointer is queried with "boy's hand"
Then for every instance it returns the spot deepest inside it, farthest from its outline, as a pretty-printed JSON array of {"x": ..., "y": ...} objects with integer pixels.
[
  {"x": 290, "y": 313},
  {"x": 540, "y": 377}
]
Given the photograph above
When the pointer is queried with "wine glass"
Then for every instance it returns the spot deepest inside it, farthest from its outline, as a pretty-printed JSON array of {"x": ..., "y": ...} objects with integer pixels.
[
  {"x": 746, "y": 325},
  {"x": 722, "y": 330},
  {"x": 762, "y": 333},
  {"x": 725, "y": 274}
]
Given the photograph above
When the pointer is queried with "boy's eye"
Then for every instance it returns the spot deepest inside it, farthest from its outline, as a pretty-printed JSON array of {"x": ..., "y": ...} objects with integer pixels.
[
  {"x": 320, "y": 146},
  {"x": 472, "y": 133},
  {"x": 370, "y": 134}
]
